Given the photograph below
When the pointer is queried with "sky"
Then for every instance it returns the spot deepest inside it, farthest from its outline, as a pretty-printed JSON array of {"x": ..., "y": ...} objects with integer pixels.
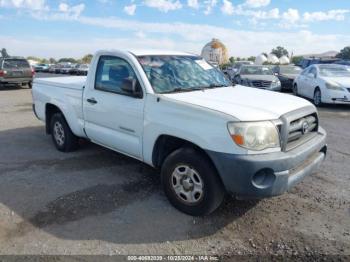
[{"x": 73, "y": 28}]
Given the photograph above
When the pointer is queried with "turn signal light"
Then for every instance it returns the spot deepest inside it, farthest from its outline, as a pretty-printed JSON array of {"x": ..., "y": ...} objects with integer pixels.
[{"x": 239, "y": 140}]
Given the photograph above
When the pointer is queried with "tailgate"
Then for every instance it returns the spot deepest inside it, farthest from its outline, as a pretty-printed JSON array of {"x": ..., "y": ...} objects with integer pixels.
[{"x": 18, "y": 73}]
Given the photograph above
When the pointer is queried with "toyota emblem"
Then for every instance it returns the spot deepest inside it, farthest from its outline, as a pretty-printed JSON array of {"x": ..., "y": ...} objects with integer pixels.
[{"x": 305, "y": 127}]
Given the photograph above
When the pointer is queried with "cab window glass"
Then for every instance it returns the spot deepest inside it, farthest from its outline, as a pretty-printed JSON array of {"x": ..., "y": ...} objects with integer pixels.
[{"x": 112, "y": 73}]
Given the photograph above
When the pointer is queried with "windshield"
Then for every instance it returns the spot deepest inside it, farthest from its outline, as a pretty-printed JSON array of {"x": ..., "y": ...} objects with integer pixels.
[
  {"x": 15, "y": 63},
  {"x": 169, "y": 74},
  {"x": 255, "y": 70},
  {"x": 335, "y": 71},
  {"x": 294, "y": 70}
]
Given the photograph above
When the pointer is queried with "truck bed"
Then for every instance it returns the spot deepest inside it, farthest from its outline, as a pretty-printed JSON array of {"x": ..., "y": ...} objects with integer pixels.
[{"x": 72, "y": 82}]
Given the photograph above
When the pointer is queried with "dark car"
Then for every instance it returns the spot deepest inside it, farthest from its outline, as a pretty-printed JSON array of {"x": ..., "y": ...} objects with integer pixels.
[
  {"x": 286, "y": 74},
  {"x": 306, "y": 62},
  {"x": 343, "y": 62},
  {"x": 257, "y": 76},
  {"x": 16, "y": 71}
]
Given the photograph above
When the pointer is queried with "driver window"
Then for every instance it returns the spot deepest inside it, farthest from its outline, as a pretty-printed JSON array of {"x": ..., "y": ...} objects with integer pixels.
[
  {"x": 313, "y": 71},
  {"x": 111, "y": 74}
]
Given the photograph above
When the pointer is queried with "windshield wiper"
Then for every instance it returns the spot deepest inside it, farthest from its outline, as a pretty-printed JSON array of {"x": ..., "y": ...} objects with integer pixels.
[{"x": 179, "y": 89}]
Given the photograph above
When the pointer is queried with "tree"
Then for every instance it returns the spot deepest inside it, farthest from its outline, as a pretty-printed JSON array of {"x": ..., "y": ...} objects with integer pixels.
[
  {"x": 296, "y": 59},
  {"x": 232, "y": 60},
  {"x": 52, "y": 60},
  {"x": 67, "y": 60},
  {"x": 86, "y": 59},
  {"x": 344, "y": 53},
  {"x": 4, "y": 53},
  {"x": 251, "y": 58},
  {"x": 34, "y": 58},
  {"x": 280, "y": 51}
]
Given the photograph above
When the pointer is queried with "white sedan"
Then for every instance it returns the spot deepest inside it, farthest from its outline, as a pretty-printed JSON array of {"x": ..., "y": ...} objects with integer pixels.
[{"x": 327, "y": 83}]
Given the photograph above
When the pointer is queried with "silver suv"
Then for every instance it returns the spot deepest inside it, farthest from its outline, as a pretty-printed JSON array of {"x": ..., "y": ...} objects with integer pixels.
[{"x": 15, "y": 70}]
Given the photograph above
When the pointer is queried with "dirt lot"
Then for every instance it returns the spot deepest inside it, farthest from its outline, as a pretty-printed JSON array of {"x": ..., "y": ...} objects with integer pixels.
[{"x": 95, "y": 201}]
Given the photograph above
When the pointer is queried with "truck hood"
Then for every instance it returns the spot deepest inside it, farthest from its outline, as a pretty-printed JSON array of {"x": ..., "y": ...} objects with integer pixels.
[{"x": 243, "y": 103}]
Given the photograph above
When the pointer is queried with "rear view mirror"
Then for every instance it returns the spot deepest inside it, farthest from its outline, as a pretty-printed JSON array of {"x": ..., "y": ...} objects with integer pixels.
[{"x": 132, "y": 87}]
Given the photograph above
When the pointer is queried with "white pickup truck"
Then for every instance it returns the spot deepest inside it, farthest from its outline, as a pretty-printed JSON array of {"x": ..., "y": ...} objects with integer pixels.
[{"x": 179, "y": 114}]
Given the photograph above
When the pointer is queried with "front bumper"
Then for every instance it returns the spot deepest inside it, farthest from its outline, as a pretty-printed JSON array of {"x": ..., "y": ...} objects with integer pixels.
[{"x": 266, "y": 175}]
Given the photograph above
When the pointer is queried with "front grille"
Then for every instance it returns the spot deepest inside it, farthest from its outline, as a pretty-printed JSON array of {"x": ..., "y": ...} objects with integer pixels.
[
  {"x": 298, "y": 127},
  {"x": 302, "y": 126},
  {"x": 261, "y": 84}
]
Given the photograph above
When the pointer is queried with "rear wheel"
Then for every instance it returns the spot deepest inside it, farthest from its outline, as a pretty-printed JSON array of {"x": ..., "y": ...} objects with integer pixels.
[
  {"x": 317, "y": 97},
  {"x": 30, "y": 84},
  {"x": 62, "y": 136},
  {"x": 191, "y": 183}
]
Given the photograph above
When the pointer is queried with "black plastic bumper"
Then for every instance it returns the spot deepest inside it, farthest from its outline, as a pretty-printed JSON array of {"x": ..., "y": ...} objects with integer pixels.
[{"x": 266, "y": 175}]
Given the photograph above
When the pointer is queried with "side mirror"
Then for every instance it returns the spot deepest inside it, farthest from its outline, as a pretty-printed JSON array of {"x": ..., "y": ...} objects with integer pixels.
[{"x": 132, "y": 87}]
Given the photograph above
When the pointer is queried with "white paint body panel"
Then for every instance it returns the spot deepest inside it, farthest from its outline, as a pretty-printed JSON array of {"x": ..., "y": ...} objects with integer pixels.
[
  {"x": 307, "y": 86},
  {"x": 132, "y": 126}
]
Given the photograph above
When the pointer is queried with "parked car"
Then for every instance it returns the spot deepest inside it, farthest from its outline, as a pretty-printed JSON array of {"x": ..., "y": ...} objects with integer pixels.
[
  {"x": 52, "y": 69},
  {"x": 67, "y": 68},
  {"x": 83, "y": 70},
  {"x": 16, "y": 70},
  {"x": 286, "y": 74},
  {"x": 58, "y": 68},
  {"x": 179, "y": 114},
  {"x": 306, "y": 62},
  {"x": 343, "y": 62},
  {"x": 41, "y": 67},
  {"x": 329, "y": 84},
  {"x": 258, "y": 76}
]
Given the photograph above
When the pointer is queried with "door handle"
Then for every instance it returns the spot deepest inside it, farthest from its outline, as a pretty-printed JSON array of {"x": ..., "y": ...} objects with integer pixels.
[{"x": 91, "y": 100}]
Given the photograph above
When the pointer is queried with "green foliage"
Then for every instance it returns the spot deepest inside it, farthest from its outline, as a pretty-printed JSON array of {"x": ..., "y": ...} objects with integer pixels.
[
  {"x": 296, "y": 59},
  {"x": 280, "y": 51},
  {"x": 87, "y": 59},
  {"x": 344, "y": 53},
  {"x": 52, "y": 60},
  {"x": 34, "y": 58},
  {"x": 232, "y": 60},
  {"x": 251, "y": 58},
  {"x": 67, "y": 60}
]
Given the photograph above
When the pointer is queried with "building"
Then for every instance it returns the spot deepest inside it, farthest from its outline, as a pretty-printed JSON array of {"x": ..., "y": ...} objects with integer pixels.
[{"x": 215, "y": 52}]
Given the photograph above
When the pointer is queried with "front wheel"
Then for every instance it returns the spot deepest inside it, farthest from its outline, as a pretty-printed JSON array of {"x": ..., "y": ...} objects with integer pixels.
[
  {"x": 191, "y": 183},
  {"x": 62, "y": 136},
  {"x": 317, "y": 97}
]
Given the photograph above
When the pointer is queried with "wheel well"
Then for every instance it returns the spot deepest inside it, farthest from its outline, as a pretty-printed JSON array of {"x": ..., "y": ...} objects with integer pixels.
[
  {"x": 50, "y": 110},
  {"x": 166, "y": 144},
  {"x": 317, "y": 88}
]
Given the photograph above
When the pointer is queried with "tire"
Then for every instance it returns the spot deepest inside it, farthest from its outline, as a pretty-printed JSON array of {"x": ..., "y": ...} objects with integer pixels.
[
  {"x": 30, "y": 85},
  {"x": 317, "y": 99},
  {"x": 295, "y": 90},
  {"x": 199, "y": 189},
  {"x": 62, "y": 136}
]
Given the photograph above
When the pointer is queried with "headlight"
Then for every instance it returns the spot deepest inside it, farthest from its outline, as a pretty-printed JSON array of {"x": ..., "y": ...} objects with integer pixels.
[
  {"x": 275, "y": 83},
  {"x": 333, "y": 86},
  {"x": 254, "y": 135}
]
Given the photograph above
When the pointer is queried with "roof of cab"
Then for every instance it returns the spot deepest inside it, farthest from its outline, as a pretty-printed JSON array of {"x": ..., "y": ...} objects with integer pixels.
[{"x": 143, "y": 52}]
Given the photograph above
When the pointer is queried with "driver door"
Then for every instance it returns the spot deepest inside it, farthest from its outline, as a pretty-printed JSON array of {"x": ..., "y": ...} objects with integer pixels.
[{"x": 113, "y": 117}]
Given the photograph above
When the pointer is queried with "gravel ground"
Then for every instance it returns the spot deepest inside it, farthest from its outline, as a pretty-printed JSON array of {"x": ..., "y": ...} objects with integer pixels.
[{"x": 95, "y": 201}]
